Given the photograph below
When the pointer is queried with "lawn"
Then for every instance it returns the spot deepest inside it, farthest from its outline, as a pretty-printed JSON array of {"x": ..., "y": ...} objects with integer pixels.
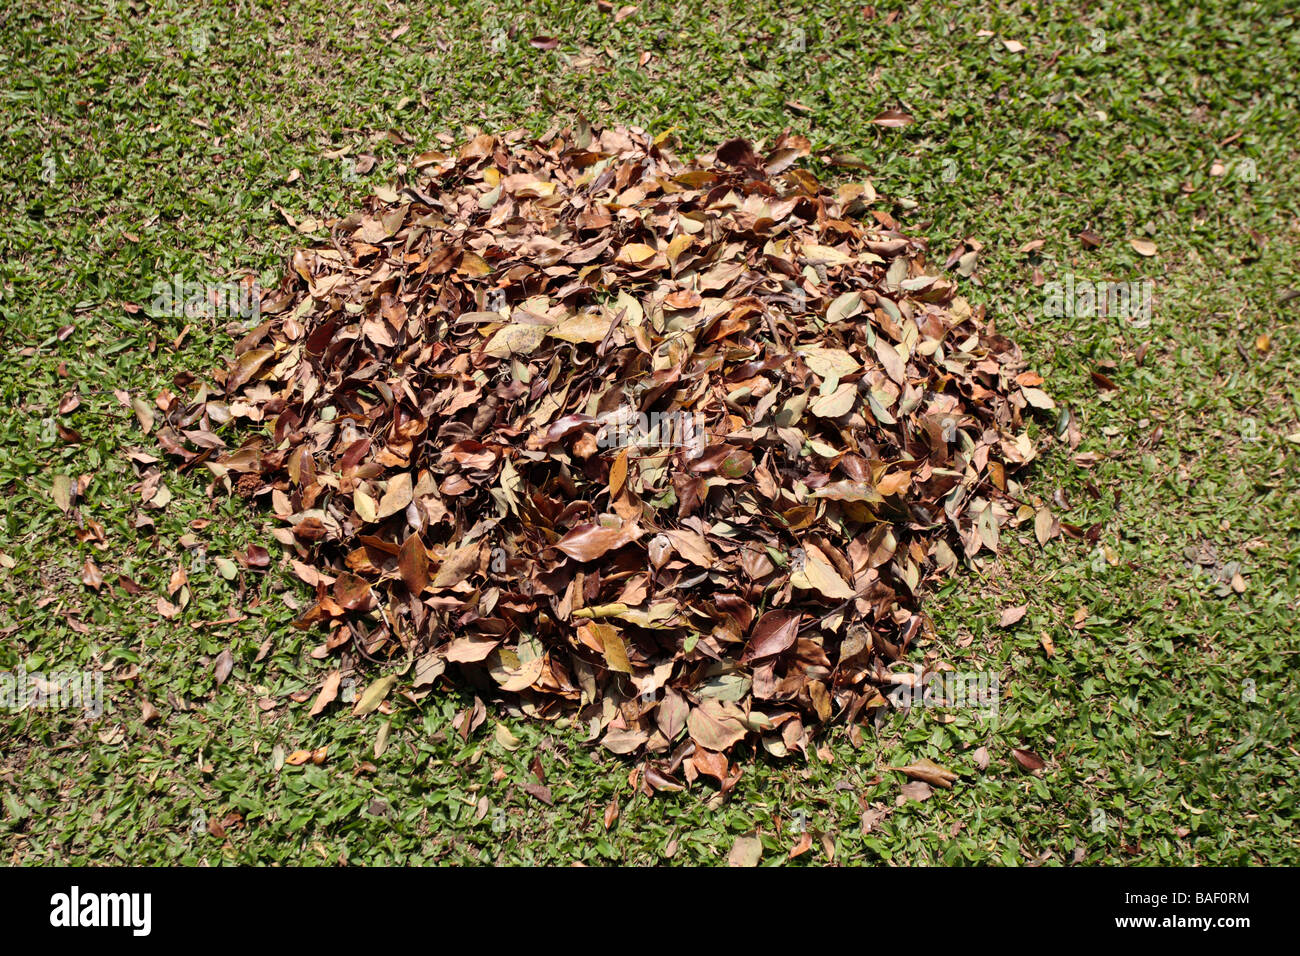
[{"x": 1155, "y": 669}]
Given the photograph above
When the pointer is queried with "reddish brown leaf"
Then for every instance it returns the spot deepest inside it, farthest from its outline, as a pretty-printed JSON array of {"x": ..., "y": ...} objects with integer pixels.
[
  {"x": 1011, "y": 615},
  {"x": 893, "y": 119},
  {"x": 91, "y": 576},
  {"x": 591, "y": 541},
  {"x": 1028, "y": 759},
  {"x": 774, "y": 633},
  {"x": 328, "y": 692},
  {"x": 413, "y": 564}
]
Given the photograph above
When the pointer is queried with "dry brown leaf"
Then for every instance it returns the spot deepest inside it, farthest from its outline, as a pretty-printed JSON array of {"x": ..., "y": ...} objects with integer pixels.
[
  {"x": 1012, "y": 615},
  {"x": 328, "y": 692}
]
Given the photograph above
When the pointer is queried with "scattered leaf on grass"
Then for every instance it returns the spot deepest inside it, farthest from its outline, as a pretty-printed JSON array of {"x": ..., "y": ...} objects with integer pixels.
[
  {"x": 746, "y": 851},
  {"x": 225, "y": 663},
  {"x": 91, "y": 576},
  {"x": 374, "y": 695},
  {"x": 329, "y": 690},
  {"x": 1011, "y": 615},
  {"x": 1028, "y": 759},
  {"x": 61, "y": 492},
  {"x": 893, "y": 119},
  {"x": 929, "y": 771}
]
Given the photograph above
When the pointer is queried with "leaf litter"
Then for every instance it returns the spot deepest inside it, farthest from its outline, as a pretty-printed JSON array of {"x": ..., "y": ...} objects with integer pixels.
[{"x": 668, "y": 448}]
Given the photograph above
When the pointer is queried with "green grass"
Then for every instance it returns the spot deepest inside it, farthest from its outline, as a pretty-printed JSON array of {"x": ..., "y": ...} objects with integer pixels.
[{"x": 146, "y": 140}]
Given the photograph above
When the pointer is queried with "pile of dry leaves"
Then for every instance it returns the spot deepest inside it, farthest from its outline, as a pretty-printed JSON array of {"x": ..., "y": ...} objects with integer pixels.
[{"x": 672, "y": 448}]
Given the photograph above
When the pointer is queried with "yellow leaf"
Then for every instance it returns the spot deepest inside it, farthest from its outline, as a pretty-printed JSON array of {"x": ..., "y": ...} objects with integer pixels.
[
  {"x": 825, "y": 254},
  {"x": 516, "y": 679},
  {"x": 681, "y": 242},
  {"x": 143, "y": 413},
  {"x": 506, "y": 738},
  {"x": 637, "y": 254},
  {"x": 474, "y": 265},
  {"x": 62, "y": 492},
  {"x": 615, "y": 649},
  {"x": 817, "y": 575},
  {"x": 374, "y": 695},
  {"x": 516, "y": 339},
  {"x": 894, "y": 482},
  {"x": 618, "y": 474},
  {"x": 396, "y": 496},
  {"x": 583, "y": 327},
  {"x": 366, "y": 506},
  {"x": 829, "y": 363},
  {"x": 837, "y": 403}
]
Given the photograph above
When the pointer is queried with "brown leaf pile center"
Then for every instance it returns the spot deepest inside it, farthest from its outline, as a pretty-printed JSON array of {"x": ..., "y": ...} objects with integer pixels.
[{"x": 669, "y": 447}]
